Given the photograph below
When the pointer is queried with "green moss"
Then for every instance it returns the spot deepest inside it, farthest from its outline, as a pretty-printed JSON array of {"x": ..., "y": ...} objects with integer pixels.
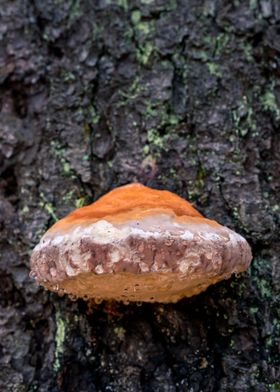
[
  {"x": 274, "y": 387},
  {"x": 173, "y": 120},
  {"x": 154, "y": 138},
  {"x": 80, "y": 202},
  {"x": 217, "y": 43},
  {"x": 260, "y": 271},
  {"x": 214, "y": 69},
  {"x": 200, "y": 175},
  {"x": 33, "y": 388},
  {"x": 248, "y": 50},
  {"x": 165, "y": 118},
  {"x": 146, "y": 149},
  {"x": 120, "y": 332},
  {"x": 68, "y": 196},
  {"x": 151, "y": 110},
  {"x": 132, "y": 93},
  {"x": 49, "y": 207},
  {"x": 264, "y": 288},
  {"x": 24, "y": 210},
  {"x": 144, "y": 27},
  {"x": 269, "y": 102},
  {"x": 68, "y": 76},
  {"x": 39, "y": 233},
  {"x": 244, "y": 118},
  {"x": 232, "y": 343},
  {"x": 200, "y": 54},
  {"x": 221, "y": 42},
  {"x": 93, "y": 115},
  {"x": 135, "y": 16},
  {"x": 144, "y": 52},
  {"x": 59, "y": 339},
  {"x": 96, "y": 30},
  {"x": 172, "y": 173},
  {"x": 58, "y": 151},
  {"x": 75, "y": 10},
  {"x": 253, "y": 4},
  {"x": 121, "y": 3}
]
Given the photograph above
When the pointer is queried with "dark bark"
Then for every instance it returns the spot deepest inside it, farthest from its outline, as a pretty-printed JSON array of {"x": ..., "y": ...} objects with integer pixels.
[{"x": 182, "y": 95}]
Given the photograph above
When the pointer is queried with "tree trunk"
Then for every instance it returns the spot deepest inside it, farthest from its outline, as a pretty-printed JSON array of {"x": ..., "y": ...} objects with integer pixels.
[{"x": 181, "y": 95}]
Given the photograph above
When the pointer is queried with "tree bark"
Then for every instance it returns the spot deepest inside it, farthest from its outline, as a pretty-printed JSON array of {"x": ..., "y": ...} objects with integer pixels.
[{"x": 181, "y": 95}]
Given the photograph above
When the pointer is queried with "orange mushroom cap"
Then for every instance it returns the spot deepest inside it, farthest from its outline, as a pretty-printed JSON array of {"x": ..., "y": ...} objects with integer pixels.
[
  {"x": 133, "y": 201},
  {"x": 137, "y": 244}
]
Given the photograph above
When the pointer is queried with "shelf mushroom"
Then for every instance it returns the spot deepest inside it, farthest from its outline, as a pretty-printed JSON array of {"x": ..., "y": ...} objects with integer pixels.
[{"x": 137, "y": 244}]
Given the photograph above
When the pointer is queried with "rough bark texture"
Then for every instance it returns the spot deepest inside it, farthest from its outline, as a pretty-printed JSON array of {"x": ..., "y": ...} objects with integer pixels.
[{"x": 183, "y": 95}]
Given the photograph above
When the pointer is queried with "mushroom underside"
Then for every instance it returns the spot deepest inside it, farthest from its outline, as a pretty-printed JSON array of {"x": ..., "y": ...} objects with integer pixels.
[{"x": 148, "y": 287}]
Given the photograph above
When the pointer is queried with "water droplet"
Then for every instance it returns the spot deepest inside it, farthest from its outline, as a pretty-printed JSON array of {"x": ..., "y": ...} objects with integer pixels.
[
  {"x": 60, "y": 292},
  {"x": 138, "y": 303},
  {"x": 125, "y": 301},
  {"x": 98, "y": 300},
  {"x": 55, "y": 287},
  {"x": 73, "y": 297}
]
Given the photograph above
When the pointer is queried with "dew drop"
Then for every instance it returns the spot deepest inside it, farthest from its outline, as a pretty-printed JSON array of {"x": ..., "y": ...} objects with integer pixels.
[
  {"x": 61, "y": 292},
  {"x": 125, "y": 301},
  {"x": 73, "y": 297},
  {"x": 139, "y": 303},
  {"x": 98, "y": 300}
]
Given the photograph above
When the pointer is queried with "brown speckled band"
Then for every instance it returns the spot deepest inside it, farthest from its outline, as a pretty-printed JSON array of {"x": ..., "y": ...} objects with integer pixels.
[{"x": 194, "y": 258}]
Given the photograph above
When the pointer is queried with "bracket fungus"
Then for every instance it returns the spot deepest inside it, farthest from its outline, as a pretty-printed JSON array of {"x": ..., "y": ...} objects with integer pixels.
[{"x": 137, "y": 244}]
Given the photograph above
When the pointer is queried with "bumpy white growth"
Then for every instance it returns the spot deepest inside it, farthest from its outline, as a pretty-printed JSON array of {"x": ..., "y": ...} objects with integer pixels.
[
  {"x": 103, "y": 232},
  {"x": 161, "y": 226}
]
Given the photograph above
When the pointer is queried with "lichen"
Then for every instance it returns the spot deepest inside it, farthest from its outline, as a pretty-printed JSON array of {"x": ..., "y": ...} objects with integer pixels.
[
  {"x": 59, "y": 152},
  {"x": 60, "y": 334},
  {"x": 48, "y": 206},
  {"x": 269, "y": 102},
  {"x": 244, "y": 118},
  {"x": 214, "y": 69},
  {"x": 144, "y": 52}
]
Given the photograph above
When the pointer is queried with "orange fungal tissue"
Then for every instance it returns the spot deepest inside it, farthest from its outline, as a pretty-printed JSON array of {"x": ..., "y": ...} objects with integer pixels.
[{"x": 137, "y": 244}]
